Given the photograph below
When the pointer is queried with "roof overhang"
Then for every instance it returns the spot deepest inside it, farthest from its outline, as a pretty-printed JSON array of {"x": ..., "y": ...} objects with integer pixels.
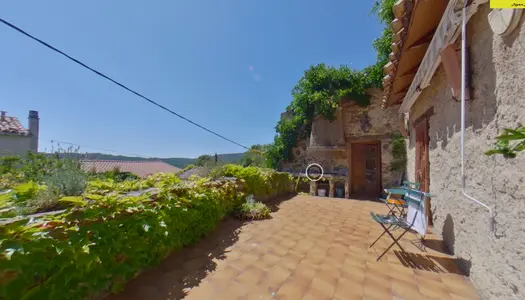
[
  {"x": 447, "y": 32},
  {"x": 413, "y": 29}
]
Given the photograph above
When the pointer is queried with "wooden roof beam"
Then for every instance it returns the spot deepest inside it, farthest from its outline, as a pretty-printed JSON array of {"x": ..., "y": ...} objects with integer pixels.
[
  {"x": 424, "y": 40},
  {"x": 402, "y": 7},
  {"x": 399, "y": 36},
  {"x": 390, "y": 68},
  {"x": 411, "y": 72}
]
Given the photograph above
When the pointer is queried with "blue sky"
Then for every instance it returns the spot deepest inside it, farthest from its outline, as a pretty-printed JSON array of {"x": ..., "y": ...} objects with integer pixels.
[{"x": 228, "y": 65}]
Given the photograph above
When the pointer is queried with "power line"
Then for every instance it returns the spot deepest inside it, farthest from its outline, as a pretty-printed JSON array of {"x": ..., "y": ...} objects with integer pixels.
[{"x": 118, "y": 83}]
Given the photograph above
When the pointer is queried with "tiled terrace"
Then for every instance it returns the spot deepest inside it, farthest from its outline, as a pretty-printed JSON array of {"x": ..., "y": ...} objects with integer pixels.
[{"x": 313, "y": 248}]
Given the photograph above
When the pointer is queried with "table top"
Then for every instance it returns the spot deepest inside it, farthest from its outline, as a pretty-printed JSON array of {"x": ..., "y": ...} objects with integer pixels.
[{"x": 395, "y": 191}]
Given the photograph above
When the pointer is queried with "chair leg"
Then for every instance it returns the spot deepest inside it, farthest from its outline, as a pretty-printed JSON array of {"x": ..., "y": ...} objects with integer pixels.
[
  {"x": 394, "y": 243},
  {"x": 389, "y": 226},
  {"x": 390, "y": 209}
]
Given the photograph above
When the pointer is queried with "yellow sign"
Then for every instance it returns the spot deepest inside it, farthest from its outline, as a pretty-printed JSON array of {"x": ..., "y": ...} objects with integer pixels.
[{"x": 507, "y": 3}]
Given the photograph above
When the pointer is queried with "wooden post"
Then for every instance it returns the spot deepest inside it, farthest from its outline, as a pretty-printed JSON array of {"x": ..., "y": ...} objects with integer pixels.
[
  {"x": 348, "y": 181},
  {"x": 313, "y": 188},
  {"x": 332, "y": 188}
]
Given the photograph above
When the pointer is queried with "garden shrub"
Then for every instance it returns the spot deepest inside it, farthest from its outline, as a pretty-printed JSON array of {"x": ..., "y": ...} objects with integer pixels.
[
  {"x": 260, "y": 182},
  {"x": 66, "y": 181},
  {"x": 107, "y": 239},
  {"x": 251, "y": 210}
]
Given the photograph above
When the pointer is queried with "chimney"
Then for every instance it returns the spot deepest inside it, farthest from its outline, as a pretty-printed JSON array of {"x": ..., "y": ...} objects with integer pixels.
[
  {"x": 2, "y": 118},
  {"x": 34, "y": 125}
]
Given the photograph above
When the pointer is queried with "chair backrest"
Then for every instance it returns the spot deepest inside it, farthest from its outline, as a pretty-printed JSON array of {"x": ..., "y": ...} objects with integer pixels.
[
  {"x": 412, "y": 185},
  {"x": 416, "y": 215}
]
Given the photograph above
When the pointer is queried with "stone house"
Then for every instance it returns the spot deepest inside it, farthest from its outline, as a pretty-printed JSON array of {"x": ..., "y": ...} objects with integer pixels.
[
  {"x": 354, "y": 150},
  {"x": 15, "y": 139},
  {"x": 424, "y": 78}
]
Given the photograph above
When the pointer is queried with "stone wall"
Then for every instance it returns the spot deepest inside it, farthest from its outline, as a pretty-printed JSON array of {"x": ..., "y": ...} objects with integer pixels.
[
  {"x": 379, "y": 126},
  {"x": 14, "y": 144},
  {"x": 331, "y": 161},
  {"x": 495, "y": 261},
  {"x": 381, "y": 121}
]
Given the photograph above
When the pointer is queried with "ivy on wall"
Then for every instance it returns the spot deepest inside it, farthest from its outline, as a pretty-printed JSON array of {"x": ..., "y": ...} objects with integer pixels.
[
  {"x": 399, "y": 153},
  {"x": 321, "y": 88}
]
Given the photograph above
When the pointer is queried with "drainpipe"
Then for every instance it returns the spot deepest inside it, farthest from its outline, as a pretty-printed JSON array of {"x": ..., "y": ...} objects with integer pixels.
[{"x": 463, "y": 88}]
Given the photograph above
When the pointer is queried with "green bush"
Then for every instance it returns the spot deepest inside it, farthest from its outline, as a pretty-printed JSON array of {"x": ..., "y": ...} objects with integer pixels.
[
  {"x": 260, "y": 182},
  {"x": 253, "y": 211},
  {"x": 66, "y": 181},
  {"x": 107, "y": 239}
]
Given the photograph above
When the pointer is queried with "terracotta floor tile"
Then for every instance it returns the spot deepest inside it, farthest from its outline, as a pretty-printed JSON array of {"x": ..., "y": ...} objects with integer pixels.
[
  {"x": 292, "y": 290},
  {"x": 290, "y": 261},
  {"x": 322, "y": 288},
  {"x": 312, "y": 248},
  {"x": 434, "y": 292},
  {"x": 235, "y": 290},
  {"x": 224, "y": 276},
  {"x": 406, "y": 290},
  {"x": 275, "y": 278},
  {"x": 466, "y": 292},
  {"x": 278, "y": 250},
  {"x": 346, "y": 289},
  {"x": 203, "y": 291},
  {"x": 375, "y": 292},
  {"x": 250, "y": 276},
  {"x": 457, "y": 297},
  {"x": 303, "y": 272},
  {"x": 328, "y": 275},
  {"x": 355, "y": 275}
]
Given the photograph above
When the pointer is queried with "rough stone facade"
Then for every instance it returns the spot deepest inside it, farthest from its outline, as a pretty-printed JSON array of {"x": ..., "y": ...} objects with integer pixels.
[
  {"x": 330, "y": 142},
  {"x": 494, "y": 260},
  {"x": 14, "y": 144},
  {"x": 383, "y": 123}
]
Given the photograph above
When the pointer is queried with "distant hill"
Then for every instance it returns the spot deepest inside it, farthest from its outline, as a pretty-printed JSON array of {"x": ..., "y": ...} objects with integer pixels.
[{"x": 179, "y": 162}]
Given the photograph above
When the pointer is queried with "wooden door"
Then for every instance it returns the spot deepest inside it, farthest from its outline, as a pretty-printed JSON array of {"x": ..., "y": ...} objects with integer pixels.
[
  {"x": 422, "y": 173},
  {"x": 366, "y": 169}
]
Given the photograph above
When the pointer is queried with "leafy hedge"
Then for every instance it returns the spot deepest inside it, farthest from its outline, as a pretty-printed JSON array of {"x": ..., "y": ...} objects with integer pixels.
[
  {"x": 108, "y": 237},
  {"x": 261, "y": 182}
]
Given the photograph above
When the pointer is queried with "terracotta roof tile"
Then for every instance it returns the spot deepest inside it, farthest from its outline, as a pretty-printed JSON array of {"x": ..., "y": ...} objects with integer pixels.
[
  {"x": 139, "y": 168},
  {"x": 11, "y": 125}
]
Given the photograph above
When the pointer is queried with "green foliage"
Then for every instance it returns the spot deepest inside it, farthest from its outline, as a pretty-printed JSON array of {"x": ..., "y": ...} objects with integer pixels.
[
  {"x": 253, "y": 211},
  {"x": 39, "y": 179},
  {"x": 8, "y": 164},
  {"x": 81, "y": 252},
  {"x": 260, "y": 182},
  {"x": 186, "y": 168},
  {"x": 398, "y": 152},
  {"x": 318, "y": 92},
  {"x": 255, "y": 156},
  {"x": 115, "y": 175},
  {"x": 509, "y": 143},
  {"x": 67, "y": 180},
  {"x": 20, "y": 194},
  {"x": 203, "y": 160},
  {"x": 106, "y": 236}
]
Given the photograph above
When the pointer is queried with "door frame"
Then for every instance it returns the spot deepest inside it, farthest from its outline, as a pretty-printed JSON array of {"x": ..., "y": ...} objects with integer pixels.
[{"x": 379, "y": 173}]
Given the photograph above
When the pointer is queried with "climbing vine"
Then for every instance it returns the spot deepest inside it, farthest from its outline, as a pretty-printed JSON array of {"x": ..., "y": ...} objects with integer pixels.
[
  {"x": 322, "y": 87},
  {"x": 509, "y": 143},
  {"x": 399, "y": 153}
]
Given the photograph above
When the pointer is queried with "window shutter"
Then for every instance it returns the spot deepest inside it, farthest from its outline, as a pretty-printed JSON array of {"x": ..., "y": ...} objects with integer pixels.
[{"x": 452, "y": 68}]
